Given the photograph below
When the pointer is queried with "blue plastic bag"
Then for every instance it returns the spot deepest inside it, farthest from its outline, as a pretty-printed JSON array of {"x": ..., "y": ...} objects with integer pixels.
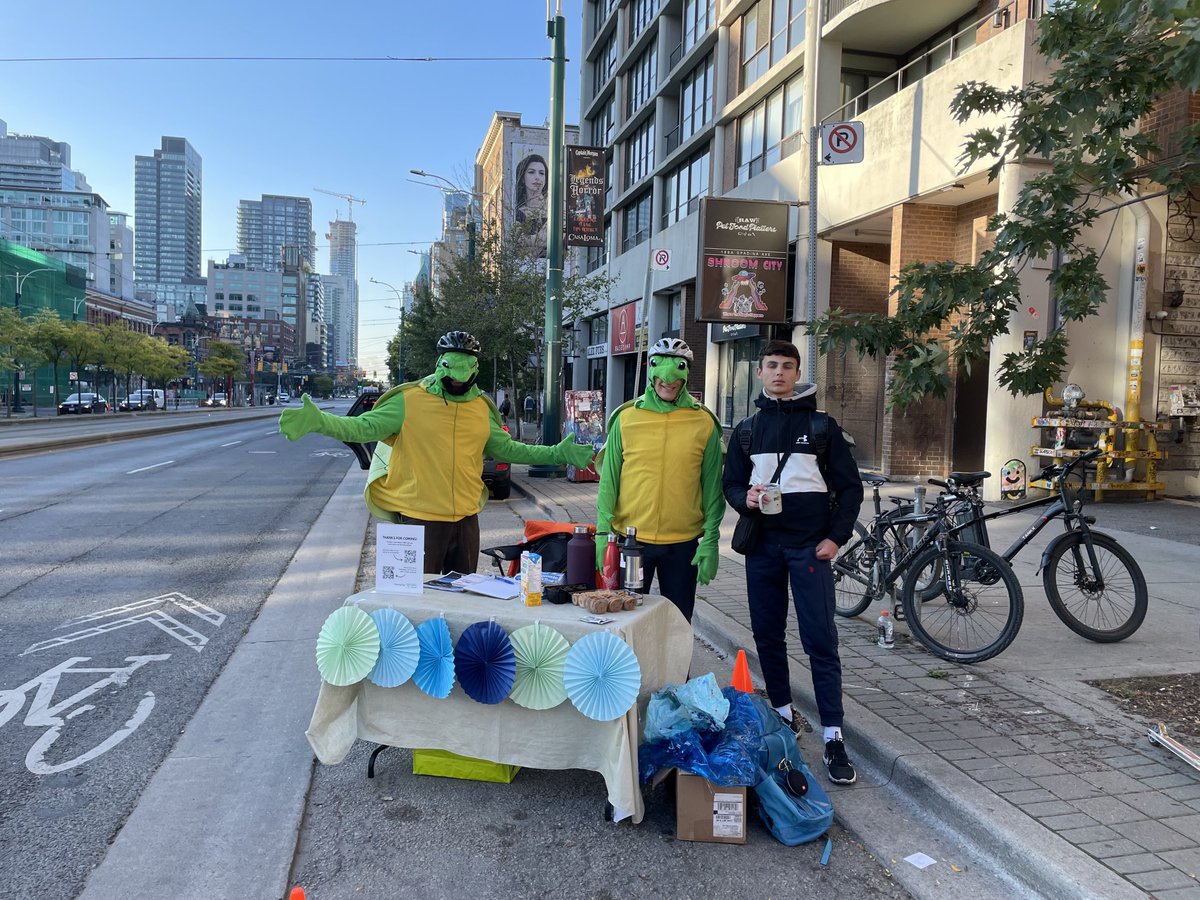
[
  {"x": 697, "y": 705},
  {"x": 726, "y": 757}
]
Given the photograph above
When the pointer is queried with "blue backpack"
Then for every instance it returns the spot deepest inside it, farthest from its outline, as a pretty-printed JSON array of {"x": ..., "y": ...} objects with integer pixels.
[{"x": 791, "y": 803}]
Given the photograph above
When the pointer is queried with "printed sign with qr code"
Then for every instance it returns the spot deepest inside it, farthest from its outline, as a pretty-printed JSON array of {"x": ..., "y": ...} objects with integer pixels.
[{"x": 399, "y": 558}]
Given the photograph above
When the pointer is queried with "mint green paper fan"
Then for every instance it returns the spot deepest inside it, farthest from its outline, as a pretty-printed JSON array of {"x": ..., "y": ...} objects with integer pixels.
[
  {"x": 347, "y": 646},
  {"x": 540, "y": 652}
]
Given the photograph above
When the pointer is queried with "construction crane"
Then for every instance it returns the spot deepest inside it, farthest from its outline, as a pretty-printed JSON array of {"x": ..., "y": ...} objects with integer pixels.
[{"x": 349, "y": 198}]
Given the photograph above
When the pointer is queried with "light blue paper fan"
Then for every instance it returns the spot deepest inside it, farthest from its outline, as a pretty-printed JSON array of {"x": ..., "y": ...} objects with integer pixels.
[
  {"x": 347, "y": 646},
  {"x": 602, "y": 676},
  {"x": 435, "y": 668},
  {"x": 540, "y": 653},
  {"x": 399, "y": 649}
]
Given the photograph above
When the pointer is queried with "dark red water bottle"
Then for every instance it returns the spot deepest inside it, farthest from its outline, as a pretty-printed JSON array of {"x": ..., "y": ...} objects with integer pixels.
[
  {"x": 581, "y": 558},
  {"x": 610, "y": 576}
]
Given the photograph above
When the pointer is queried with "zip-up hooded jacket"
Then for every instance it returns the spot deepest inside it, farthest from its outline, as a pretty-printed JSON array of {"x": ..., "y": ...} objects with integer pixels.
[{"x": 812, "y": 510}]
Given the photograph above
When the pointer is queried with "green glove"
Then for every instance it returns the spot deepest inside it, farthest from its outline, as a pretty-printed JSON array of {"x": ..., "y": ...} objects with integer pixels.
[
  {"x": 705, "y": 561},
  {"x": 573, "y": 454},
  {"x": 295, "y": 423},
  {"x": 601, "y": 547}
]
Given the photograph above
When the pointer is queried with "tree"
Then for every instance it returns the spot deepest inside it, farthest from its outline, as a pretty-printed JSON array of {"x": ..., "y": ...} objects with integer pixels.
[
  {"x": 224, "y": 360},
  {"x": 81, "y": 347},
  {"x": 15, "y": 346},
  {"x": 49, "y": 335},
  {"x": 1114, "y": 61},
  {"x": 163, "y": 363},
  {"x": 322, "y": 385}
]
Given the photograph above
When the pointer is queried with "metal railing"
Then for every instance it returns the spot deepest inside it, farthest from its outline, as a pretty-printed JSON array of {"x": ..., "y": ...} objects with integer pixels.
[{"x": 914, "y": 71}]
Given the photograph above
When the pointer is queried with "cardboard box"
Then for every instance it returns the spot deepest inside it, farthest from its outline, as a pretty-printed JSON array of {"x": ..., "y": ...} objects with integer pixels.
[
  {"x": 709, "y": 812},
  {"x": 445, "y": 764}
]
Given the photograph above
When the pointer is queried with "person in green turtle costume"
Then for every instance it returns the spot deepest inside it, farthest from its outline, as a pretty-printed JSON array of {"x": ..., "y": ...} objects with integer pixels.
[
  {"x": 661, "y": 473},
  {"x": 433, "y": 435}
]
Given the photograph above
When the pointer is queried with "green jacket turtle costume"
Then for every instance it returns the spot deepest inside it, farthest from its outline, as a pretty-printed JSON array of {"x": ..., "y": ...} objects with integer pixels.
[
  {"x": 432, "y": 435},
  {"x": 661, "y": 468}
]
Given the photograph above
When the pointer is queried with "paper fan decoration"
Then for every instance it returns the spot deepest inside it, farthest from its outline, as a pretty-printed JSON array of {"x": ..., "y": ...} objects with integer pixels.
[
  {"x": 347, "y": 646},
  {"x": 399, "y": 649},
  {"x": 484, "y": 662},
  {"x": 540, "y": 652},
  {"x": 435, "y": 668},
  {"x": 602, "y": 676}
]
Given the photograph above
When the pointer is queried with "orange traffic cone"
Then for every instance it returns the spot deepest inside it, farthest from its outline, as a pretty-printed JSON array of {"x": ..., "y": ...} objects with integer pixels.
[
  {"x": 297, "y": 893},
  {"x": 741, "y": 674}
]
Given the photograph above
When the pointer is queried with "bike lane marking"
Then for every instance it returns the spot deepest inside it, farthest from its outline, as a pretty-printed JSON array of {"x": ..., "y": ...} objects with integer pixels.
[{"x": 148, "y": 468}]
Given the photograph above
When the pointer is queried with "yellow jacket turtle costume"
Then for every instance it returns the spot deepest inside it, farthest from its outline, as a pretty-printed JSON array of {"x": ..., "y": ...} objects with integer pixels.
[{"x": 432, "y": 436}]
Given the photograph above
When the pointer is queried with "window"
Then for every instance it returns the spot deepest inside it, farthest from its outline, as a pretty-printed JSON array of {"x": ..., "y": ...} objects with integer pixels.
[
  {"x": 602, "y": 10},
  {"x": 684, "y": 187},
  {"x": 643, "y": 78},
  {"x": 636, "y": 222},
  {"x": 737, "y": 385},
  {"x": 770, "y": 30},
  {"x": 605, "y": 63},
  {"x": 761, "y": 131},
  {"x": 598, "y": 329},
  {"x": 639, "y": 154},
  {"x": 695, "y": 99},
  {"x": 697, "y": 20},
  {"x": 219, "y": 295},
  {"x": 640, "y": 14},
  {"x": 674, "y": 314},
  {"x": 605, "y": 123}
]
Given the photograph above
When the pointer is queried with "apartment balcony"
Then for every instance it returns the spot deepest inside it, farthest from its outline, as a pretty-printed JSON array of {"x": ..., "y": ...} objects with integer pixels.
[
  {"x": 889, "y": 26},
  {"x": 911, "y": 141}
]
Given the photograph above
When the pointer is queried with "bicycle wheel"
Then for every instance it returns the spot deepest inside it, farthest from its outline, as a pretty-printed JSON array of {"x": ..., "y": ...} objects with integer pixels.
[
  {"x": 903, "y": 539},
  {"x": 1104, "y": 614},
  {"x": 852, "y": 591},
  {"x": 978, "y": 611}
]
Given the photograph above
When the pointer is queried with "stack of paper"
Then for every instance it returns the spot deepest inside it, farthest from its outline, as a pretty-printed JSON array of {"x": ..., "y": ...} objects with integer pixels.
[{"x": 489, "y": 586}]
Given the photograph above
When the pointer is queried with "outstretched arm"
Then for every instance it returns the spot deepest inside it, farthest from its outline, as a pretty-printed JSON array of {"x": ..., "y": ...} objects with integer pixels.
[
  {"x": 713, "y": 500},
  {"x": 381, "y": 422},
  {"x": 610, "y": 486},
  {"x": 502, "y": 447}
]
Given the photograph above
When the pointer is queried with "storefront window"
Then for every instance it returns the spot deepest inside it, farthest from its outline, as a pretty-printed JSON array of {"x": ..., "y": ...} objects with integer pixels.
[
  {"x": 597, "y": 369},
  {"x": 737, "y": 384}
]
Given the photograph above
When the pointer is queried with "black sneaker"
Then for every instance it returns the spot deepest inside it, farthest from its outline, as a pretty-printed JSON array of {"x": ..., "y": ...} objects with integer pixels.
[{"x": 838, "y": 763}]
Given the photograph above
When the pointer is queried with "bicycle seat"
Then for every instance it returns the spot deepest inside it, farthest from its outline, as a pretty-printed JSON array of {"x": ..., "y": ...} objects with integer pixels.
[
  {"x": 870, "y": 478},
  {"x": 969, "y": 479}
]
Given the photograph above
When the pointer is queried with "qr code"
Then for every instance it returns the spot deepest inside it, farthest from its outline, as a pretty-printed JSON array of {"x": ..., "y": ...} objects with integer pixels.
[
  {"x": 410, "y": 557},
  {"x": 389, "y": 572}
]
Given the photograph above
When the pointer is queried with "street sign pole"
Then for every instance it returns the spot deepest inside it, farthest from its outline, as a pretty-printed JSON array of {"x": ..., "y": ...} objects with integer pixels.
[{"x": 814, "y": 149}]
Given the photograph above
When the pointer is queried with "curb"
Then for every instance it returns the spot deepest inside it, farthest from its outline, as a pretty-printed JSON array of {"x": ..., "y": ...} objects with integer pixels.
[{"x": 1031, "y": 856}]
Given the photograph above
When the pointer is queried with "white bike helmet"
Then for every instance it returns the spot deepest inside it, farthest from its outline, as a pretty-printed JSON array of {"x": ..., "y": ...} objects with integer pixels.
[{"x": 671, "y": 347}]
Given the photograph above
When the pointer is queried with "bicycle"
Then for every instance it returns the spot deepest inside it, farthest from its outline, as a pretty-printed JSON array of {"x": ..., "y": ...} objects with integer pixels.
[
  {"x": 1094, "y": 585},
  {"x": 977, "y": 607}
]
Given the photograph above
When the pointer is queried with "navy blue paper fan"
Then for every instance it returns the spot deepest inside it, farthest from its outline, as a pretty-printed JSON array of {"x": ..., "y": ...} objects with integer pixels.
[{"x": 484, "y": 662}]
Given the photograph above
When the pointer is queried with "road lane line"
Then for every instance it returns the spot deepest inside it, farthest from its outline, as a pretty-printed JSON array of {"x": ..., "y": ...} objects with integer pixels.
[
  {"x": 231, "y": 444},
  {"x": 147, "y": 468},
  {"x": 261, "y": 451}
]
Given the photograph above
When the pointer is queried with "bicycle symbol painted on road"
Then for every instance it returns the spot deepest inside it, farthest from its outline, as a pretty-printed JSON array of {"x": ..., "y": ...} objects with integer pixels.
[
  {"x": 44, "y": 713},
  {"x": 336, "y": 454}
]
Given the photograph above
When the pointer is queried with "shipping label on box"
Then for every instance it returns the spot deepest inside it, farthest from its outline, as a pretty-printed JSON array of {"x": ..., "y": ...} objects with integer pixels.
[
  {"x": 708, "y": 812},
  {"x": 729, "y": 815}
]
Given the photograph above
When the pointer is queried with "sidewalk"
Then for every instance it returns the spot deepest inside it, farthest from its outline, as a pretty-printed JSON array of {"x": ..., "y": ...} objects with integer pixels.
[{"x": 1042, "y": 773}]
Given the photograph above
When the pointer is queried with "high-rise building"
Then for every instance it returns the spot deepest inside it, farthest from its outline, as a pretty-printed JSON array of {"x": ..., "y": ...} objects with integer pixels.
[
  {"x": 120, "y": 255},
  {"x": 168, "y": 187},
  {"x": 37, "y": 162},
  {"x": 237, "y": 291},
  {"x": 341, "y": 292},
  {"x": 266, "y": 226}
]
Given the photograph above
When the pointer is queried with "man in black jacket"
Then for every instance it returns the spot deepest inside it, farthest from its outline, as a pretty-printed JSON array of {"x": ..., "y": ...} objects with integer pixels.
[{"x": 821, "y": 499}]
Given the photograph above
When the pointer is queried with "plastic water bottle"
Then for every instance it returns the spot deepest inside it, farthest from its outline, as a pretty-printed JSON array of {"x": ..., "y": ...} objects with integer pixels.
[
  {"x": 885, "y": 630},
  {"x": 581, "y": 558},
  {"x": 610, "y": 575}
]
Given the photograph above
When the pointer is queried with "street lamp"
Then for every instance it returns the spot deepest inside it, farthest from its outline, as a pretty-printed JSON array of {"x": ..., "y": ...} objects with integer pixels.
[
  {"x": 471, "y": 196},
  {"x": 21, "y": 279},
  {"x": 400, "y": 300}
]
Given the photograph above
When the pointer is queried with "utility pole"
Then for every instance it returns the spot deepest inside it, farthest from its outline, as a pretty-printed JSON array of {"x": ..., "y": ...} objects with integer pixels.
[{"x": 556, "y": 30}]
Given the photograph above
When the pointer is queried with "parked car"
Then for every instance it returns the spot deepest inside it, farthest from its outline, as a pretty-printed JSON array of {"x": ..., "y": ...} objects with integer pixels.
[
  {"x": 284, "y": 397},
  {"x": 83, "y": 403},
  {"x": 147, "y": 399},
  {"x": 498, "y": 477},
  {"x": 220, "y": 399}
]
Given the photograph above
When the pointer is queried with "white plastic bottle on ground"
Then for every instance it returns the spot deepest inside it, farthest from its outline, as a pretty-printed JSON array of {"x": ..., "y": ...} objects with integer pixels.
[{"x": 885, "y": 630}]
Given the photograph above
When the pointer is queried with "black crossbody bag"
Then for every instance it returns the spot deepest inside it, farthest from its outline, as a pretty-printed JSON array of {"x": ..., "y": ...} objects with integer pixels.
[{"x": 748, "y": 531}]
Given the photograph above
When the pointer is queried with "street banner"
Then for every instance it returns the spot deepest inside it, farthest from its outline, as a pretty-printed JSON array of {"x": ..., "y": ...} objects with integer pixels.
[
  {"x": 743, "y": 261},
  {"x": 623, "y": 328},
  {"x": 584, "y": 221}
]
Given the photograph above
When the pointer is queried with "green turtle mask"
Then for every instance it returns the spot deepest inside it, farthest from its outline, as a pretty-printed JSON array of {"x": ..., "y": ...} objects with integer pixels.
[
  {"x": 668, "y": 369},
  {"x": 454, "y": 366}
]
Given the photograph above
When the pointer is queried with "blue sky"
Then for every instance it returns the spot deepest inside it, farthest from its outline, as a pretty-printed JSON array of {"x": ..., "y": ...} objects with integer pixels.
[{"x": 287, "y": 127}]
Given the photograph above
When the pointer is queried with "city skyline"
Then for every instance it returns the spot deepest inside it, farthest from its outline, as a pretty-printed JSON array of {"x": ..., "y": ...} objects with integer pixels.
[{"x": 381, "y": 117}]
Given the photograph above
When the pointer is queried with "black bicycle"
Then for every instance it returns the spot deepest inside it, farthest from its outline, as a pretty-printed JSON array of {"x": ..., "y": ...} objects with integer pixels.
[
  {"x": 975, "y": 606},
  {"x": 1094, "y": 585}
]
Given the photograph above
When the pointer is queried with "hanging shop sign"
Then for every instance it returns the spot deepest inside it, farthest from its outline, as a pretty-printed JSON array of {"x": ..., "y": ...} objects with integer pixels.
[
  {"x": 720, "y": 332},
  {"x": 743, "y": 261},
  {"x": 584, "y": 222},
  {"x": 623, "y": 329}
]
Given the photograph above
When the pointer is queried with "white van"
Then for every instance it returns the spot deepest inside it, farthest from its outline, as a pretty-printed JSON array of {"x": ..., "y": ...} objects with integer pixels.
[{"x": 147, "y": 399}]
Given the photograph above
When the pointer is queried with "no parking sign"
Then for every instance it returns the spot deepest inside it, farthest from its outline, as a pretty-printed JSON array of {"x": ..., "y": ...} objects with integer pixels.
[{"x": 842, "y": 142}]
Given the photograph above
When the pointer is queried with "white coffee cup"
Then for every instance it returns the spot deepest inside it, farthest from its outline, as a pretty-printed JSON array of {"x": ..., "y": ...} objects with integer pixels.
[{"x": 771, "y": 500}]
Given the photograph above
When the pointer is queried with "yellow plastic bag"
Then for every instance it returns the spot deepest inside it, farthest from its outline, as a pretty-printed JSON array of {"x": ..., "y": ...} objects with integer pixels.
[{"x": 445, "y": 764}]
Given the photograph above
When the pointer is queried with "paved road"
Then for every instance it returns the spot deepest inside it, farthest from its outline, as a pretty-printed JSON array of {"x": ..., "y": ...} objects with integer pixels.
[{"x": 146, "y": 560}]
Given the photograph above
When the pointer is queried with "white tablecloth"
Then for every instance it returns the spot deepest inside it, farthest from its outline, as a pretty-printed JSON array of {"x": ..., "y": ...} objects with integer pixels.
[{"x": 559, "y": 738}]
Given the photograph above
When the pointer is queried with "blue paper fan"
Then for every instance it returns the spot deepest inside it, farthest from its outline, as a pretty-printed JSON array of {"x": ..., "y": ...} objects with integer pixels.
[
  {"x": 484, "y": 662},
  {"x": 399, "y": 649},
  {"x": 602, "y": 676},
  {"x": 435, "y": 668},
  {"x": 540, "y": 652},
  {"x": 347, "y": 646}
]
